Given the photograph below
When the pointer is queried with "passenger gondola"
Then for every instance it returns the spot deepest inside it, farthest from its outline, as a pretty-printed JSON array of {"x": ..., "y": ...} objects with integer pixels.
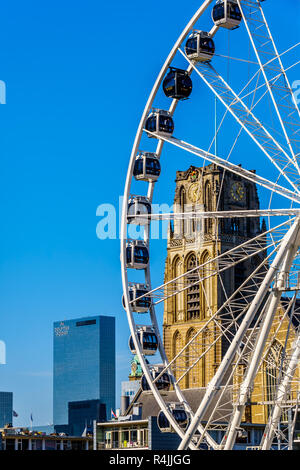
[
  {"x": 139, "y": 210},
  {"x": 137, "y": 254},
  {"x": 148, "y": 341},
  {"x": 177, "y": 84},
  {"x": 227, "y": 14},
  {"x": 138, "y": 305},
  {"x": 163, "y": 383},
  {"x": 160, "y": 122},
  {"x": 146, "y": 167},
  {"x": 179, "y": 414},
  {"x": 200, "y": 46}
]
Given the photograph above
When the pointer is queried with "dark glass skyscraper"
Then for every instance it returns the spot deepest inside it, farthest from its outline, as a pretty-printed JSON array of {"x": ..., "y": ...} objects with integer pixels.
[
  {"x": 84, "y": 363},
  {"x": 6, "y": 408}
]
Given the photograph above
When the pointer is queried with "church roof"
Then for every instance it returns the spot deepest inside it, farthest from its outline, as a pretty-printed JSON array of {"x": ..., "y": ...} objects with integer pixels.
[{"x": 193, "y": 396}]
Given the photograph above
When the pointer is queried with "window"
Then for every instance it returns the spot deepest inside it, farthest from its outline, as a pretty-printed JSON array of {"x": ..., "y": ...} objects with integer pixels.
[
  {"x": 218, "y": 12},
  {"x": 86, "y": 322},
  {"x": 138, "y": 167},
  {"x": 152, "y": 166},
  {"x": 234, "y": 12},
  {"x": 207, "y": 45},
  {"x": 151, "y": 124},
  {"x": 166, "y": 124},
  {"x": 193, "y": 353},
  {"x": 179, "y": 364},
  {"x": 207, "y": 206},
  {"x": 206, "y": 284},
  {"x": 191, "y": 46},
  {"x": 176, "y": 297},
  {"x": 272, "y": 367},
  {"x": 193, "y": 291},
  {"x": 182, "y": 208}
]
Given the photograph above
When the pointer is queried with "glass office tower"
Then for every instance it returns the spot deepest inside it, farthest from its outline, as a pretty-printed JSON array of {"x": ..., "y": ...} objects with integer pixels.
[
  {"x": 84, "y": 364},
  {"x": 6, "y": 408}
]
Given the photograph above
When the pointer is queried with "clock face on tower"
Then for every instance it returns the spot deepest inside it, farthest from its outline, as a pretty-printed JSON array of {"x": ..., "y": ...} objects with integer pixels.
[{"x": 237, "y": 191}]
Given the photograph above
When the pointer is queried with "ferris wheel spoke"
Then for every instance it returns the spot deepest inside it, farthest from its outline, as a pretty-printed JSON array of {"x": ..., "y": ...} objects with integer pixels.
[
  {"x": 229, "y": 356},
  {"x": 245, "y": 356},
  {"x": 280, "y": 91},
  {"x": 230, "y": 312},
  {"x": 250, "y": 176},
  {"x": 259, "y": 258},
  {"x": 284, "y": 385},
  {"x": 257, "y": 354},
  {"x": 221, "y": 262},
  {"x": 247, "y": 120},
  {"x": 223, "y": 405},
  {"x": 283, "y": 373},
  {"x": 195, "y": 214}
]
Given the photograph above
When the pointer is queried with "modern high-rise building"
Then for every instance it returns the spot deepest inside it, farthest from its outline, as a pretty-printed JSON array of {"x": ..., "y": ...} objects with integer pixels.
[
  {"x": 6, "y": 408},
  {"x": 84, "y": 364}
]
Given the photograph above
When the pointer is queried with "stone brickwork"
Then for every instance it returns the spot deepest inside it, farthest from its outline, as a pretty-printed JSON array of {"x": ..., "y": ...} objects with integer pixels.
[{"x": 192, "y": 243}]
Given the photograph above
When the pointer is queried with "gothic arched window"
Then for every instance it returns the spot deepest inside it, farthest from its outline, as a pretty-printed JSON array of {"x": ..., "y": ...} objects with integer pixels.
[
  {"x": 207, "y": 206},
  {"x": 179, "y": 364},
  {"x": 182, "y": 198},
  {"x": 272, "y": 366},
  {"x": 176, "y": 297},
  {"x": 206, "y": 284},
  {"x": 193, "y": 353},
  {"x": 204, "y": 346}
]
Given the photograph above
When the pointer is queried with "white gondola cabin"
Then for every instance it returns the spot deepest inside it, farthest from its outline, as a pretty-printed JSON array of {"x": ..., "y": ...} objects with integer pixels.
[
  {"x": 177, "y": 84},
  {"x": 160, "y": 122},
  {"x": 139, "y": 210},
  {"x": 137, "y": 254},
  {"x": 227, "y": 14},
  {"x": 146, "y": 167},
  {"x": 147, "y": 339},
  {"x": 163, "y": 383},
  {"x": 137, "y": 304},
  {"x": 179, "y": 414},
  {"x": 200, "y": 46}
]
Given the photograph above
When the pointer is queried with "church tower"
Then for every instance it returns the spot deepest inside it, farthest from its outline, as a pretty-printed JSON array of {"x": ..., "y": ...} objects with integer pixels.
[{"x": 191, "y": 243}]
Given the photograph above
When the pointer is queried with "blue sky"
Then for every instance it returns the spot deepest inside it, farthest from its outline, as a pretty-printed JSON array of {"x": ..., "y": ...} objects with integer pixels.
[{"x": 78, "y": 75}]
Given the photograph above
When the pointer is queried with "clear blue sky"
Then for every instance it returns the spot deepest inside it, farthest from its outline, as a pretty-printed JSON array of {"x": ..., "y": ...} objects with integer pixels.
[{"x": 78, "y": 75}]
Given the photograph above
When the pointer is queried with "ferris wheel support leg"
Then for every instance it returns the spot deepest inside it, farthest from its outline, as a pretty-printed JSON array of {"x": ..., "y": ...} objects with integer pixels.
[
  {"x": 216, "y": 382},
  {"x": 281, "y": 394},
  {"x": 248, "y": 381}
]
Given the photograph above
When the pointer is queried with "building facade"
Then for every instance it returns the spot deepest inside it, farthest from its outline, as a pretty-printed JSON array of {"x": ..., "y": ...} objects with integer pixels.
[
  {"x": 6, "y": 408},
  {"x": 129, "y": 388},
  {"x": 194, "y": 242},
  {"x": 23, "y": 439},
  {"x": 84, "y": 364}
]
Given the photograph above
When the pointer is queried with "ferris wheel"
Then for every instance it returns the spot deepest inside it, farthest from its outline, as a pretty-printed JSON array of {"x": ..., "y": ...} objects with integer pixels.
[{"x": 264, "y": 306}]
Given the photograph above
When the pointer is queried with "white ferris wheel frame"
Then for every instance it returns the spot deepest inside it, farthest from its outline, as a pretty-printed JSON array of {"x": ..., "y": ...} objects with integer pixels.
[{"x": 285, "y": 160}]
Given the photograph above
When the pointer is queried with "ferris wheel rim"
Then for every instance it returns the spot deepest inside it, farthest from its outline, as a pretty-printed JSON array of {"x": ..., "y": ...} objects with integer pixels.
[
  {"x": 129, "y": 178},
  {"x": 139, "y": 133}
]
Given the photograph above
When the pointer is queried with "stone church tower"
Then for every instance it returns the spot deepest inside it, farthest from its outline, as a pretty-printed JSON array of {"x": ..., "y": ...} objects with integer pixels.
[{"x": 193, "y": 242}]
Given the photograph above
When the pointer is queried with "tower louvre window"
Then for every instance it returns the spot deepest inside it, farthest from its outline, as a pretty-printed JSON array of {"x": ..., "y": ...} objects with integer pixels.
[
  {"x": 208, "y": 206},
  {"x": 193, "y": 292}
]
